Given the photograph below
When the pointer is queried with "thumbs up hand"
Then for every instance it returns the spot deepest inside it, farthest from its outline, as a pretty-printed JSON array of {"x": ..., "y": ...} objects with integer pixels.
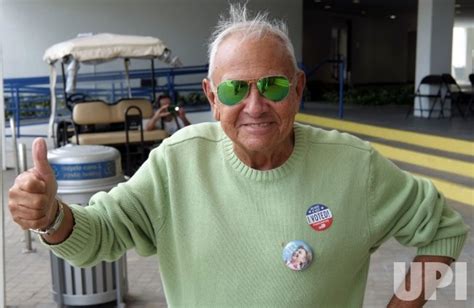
[{"x": 32, "y": 198}]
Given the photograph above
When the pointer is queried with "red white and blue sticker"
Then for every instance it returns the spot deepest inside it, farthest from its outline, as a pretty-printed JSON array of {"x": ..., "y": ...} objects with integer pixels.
[{"x": 319, "y": 217}]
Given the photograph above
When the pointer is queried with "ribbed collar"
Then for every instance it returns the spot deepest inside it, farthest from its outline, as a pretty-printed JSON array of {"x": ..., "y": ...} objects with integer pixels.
[{"x": 267, "y": 175}]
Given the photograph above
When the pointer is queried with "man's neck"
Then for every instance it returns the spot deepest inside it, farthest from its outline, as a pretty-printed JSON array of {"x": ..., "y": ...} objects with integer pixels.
[{"x": 261, "y": 160}]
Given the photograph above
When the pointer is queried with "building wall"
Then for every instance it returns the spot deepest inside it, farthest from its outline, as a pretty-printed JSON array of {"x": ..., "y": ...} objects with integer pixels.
[
  {"x": 382, "y": 50},
  {"x": 29, "y": 27}
]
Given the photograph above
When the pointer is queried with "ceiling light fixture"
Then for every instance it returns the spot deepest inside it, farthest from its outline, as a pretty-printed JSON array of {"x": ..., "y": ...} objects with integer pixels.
[
  {"x": 327, "y": 6},
  {"x": 356, "y": 1},
  {"x": 393, "y": 17},
  {"x": 457, "y": 5}
]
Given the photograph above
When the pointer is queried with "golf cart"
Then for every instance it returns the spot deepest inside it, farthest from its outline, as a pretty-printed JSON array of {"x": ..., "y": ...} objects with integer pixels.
[{"x": 97, "y": 121}]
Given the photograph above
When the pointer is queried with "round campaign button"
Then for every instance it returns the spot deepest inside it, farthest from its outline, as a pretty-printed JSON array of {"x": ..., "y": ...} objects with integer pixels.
[
  {"x": 297, "y": 255},
  {"x": 319, "y": 217}
]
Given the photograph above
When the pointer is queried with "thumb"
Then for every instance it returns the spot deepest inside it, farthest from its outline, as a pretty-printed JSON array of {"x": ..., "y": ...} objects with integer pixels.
[{"x": 40, "y": 158}]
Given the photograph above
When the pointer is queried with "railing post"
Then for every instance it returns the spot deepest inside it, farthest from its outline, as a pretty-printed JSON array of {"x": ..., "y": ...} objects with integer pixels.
[
  {"x": 15, "y": 146},
  {"x": 113, "y": 91},
  {"x": 23, "y": 167},
  {"x": 170, "y": 86},
  {"x": 16, "y": 101},
  {"x": 341, "y": 87}
]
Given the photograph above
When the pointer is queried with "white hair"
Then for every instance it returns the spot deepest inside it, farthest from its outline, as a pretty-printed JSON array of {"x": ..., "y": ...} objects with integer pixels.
[{"x": 255, "y": 27}]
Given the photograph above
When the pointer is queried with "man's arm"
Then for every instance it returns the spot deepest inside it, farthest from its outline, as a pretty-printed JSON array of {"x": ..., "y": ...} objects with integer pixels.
[
  {"x": 417, "y": 280},
  {"x": 411, "y": 209},
  {"x": 182, "y": 116},
  {"x": 160, "y": 113}
]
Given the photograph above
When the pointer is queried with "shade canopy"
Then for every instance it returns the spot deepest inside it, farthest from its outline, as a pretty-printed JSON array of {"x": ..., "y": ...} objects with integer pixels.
[{"x": 106, "y": 46}]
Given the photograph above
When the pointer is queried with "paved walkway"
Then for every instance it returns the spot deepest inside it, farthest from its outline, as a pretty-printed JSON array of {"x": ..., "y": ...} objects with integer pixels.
[{"x": 29, "y": 280}]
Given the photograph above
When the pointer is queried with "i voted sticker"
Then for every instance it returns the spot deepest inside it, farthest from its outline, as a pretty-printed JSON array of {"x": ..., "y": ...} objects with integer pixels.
[{"x": 319, "y": 217}]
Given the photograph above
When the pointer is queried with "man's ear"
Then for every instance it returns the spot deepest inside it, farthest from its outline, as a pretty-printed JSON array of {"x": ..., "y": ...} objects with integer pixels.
[
  {"x": 211, "y": 97},
  {"x": 301, "y": 83}
]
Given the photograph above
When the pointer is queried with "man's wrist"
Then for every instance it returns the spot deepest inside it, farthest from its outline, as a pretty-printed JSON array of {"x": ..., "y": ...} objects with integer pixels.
[{"x": 56, "y": 223}]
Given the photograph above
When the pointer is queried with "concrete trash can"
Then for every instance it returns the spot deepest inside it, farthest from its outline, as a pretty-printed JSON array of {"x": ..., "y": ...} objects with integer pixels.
[{"x": 81, "y": 171}]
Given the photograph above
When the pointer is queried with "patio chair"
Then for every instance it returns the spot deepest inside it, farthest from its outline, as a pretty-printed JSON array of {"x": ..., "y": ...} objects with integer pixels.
[
  {"x": 134, "y": 154},
  {"x": 471, "y": 101},
  {"x": 119, "y": 125},
  {"x": 100, "y": 123},
  {"x": 454, "y": 93},
  {"x": 430, "y": 88}
]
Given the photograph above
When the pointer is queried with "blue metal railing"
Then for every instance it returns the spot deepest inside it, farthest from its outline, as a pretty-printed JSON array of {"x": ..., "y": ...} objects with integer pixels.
[
  {"x": 29, "y": 98},
  {"x": 340, "y": 76}
]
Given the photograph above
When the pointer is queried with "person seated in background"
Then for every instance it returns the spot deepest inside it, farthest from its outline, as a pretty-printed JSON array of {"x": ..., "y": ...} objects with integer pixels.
[{"x": 168, "y": 116}]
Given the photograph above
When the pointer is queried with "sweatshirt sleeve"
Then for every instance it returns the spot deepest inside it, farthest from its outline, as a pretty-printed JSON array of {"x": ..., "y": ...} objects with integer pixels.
[
  {"x": 411, "y": 209},
  {"x": 129, "y": 216}
]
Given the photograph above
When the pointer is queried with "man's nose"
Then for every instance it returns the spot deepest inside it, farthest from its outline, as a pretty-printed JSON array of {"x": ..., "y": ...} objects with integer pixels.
[{"x": 255, "y": 103}]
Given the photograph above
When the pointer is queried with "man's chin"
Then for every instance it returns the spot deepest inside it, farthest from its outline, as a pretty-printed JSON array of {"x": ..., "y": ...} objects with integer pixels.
[{"x": 255, "y": 144}]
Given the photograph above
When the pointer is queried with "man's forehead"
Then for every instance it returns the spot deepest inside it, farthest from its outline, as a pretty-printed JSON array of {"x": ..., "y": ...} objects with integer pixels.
[
  {"x": 251, "y": 57},
  {"x": 239, "y": 41}
]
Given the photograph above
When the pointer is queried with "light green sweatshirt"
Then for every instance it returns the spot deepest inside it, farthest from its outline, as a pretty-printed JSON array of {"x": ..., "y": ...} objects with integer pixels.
[{"x": 219, "y": 227}]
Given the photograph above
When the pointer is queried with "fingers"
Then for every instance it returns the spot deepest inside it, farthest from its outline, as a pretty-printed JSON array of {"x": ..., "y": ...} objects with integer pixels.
[
  {"x": 162, "y": 108},
  {"x": 29, "y": 181},
  {"x": 29, "y": 210},
  {"x": 28, "y": 200},
  {"x": 164, "y": 113},
  {"x": 24, "y": 213},
  {"x": 40, "y": 158},
  {"x": 31, "y": 223}
]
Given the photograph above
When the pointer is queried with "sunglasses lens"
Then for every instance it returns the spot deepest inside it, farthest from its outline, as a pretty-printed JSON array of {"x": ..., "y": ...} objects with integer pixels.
[
  {"x": 231, "y": 92},
  {"x": 275, "y": 88}
]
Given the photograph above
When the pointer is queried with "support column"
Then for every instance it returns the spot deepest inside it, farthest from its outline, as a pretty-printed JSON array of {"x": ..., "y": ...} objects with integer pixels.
[
  {"x": 469, "y": 54},
  {"x": 433, "y": 47},
  {"x": 2, "y": 167}
]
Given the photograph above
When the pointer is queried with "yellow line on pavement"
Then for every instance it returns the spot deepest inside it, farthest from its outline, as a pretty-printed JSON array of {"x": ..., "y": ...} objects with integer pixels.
[
  {"x": 449, "y": 165},
  {"x": 424, "y": 140},
  {"x": 453, "y": 191}
]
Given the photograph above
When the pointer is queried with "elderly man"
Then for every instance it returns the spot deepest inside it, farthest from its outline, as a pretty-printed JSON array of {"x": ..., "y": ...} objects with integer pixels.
[{"x": 255, "y": 210}]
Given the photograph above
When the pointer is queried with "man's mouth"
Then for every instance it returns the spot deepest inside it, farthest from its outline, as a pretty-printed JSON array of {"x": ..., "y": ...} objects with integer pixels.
[
  {"x": 258, "y": 124},
  {"x": 265, "y": 124}
]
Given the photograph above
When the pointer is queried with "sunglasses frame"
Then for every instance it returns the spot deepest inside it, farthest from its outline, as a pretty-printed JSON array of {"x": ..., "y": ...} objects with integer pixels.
[{"x": 249, "y": 84}]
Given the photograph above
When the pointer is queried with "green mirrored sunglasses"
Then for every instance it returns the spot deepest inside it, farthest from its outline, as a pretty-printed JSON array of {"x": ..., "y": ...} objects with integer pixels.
[{"x": 275, "y": 88}]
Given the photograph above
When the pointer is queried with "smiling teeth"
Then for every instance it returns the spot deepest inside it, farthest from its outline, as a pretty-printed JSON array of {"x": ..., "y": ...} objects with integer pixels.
[{"x": 258, "y": 124}]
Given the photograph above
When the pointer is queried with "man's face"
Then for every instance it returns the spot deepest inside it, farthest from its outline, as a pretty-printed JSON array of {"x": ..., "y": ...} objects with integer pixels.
[{"x": 255, "y": 125}]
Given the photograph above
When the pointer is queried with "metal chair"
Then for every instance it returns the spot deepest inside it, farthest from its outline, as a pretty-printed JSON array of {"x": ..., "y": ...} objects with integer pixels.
[
  {"x": 471, "y": 101},
  {"x": 430, "y": 88},
  {"x": 454, "y": 93},
  {"x": 133, "y": 121}
]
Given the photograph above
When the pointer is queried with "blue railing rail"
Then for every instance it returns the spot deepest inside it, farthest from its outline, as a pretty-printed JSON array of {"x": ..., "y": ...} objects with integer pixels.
[
  {"x": 339, "y": 61},
  {"x": 29, "y": 98}
]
